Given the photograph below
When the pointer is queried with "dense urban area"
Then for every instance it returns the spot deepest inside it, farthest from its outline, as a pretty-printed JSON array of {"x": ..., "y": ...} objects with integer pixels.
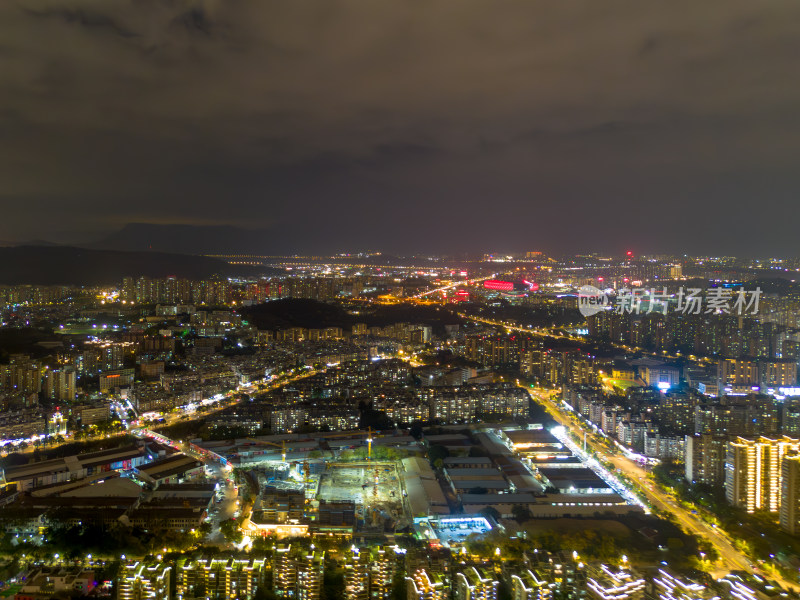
[{"x": 360, "y": 426}]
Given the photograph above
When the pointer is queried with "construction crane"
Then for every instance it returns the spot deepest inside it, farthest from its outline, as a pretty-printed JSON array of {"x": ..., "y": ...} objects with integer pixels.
[
  {"x": 282, "y": 446},
  {"x": 371, "y": 435}
]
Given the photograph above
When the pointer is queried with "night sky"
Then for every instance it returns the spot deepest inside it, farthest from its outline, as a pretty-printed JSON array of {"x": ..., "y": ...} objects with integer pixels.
[{"x": 406, "y": 125}]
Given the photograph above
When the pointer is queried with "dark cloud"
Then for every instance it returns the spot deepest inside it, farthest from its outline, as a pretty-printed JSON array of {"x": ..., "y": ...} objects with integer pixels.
[
  {"x": 412, "y": 125},
  {"x": 83, "y": 19}
]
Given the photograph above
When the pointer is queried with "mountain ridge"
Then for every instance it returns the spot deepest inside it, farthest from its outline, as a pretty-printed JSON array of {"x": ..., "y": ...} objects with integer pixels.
[{"x": 70, "y": 265}]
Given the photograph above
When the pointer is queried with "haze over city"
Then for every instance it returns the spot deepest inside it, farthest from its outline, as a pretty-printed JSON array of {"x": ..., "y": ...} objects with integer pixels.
[{"x": 405, "y": 127}]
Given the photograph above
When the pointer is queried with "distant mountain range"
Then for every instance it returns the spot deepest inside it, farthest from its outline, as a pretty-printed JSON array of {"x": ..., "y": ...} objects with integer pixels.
[
  {"x": 65, "y": 265},
  {"x": 217, "y": 239},
  {"x": 176, "y": 239},
  {"x": 186, "y": 239}
]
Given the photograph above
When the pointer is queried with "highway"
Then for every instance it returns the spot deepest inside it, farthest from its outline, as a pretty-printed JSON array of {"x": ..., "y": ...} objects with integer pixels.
[
  {"x": 730, "y": 557},
  {"x": 575, "y": 338},
  {"x": 528, "y": 330},
  {"x": 453, "y": 285}
]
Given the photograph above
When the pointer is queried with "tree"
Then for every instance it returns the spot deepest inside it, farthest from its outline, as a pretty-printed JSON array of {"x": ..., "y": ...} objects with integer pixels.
[
  {"x": 230, "y": 530},
  {"x": 490, "y": 512},
  {"x": 399, "y": 585},
  {"x": 521, "y": 512},
  {"x": 437, "y": 451},
  {"x": 378, "y": 420},
  {"x": 264, "y": 593},
  {"x": 332, "y": 582}
]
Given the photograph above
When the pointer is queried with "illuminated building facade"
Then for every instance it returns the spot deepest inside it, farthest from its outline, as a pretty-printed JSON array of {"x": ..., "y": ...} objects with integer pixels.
[
  {"x": 753, "y": 471},
  {"x": 606, "y": 583},
  {"x": 138, "y": 581},
  {"x": 220, "y": 578},
  {"x": 474, "y": 584},
  {"x": 527, "y": 586},
  {"x": 309, "y": 575},
  {"x": 790, "y": 494},
  {"x": 705, "y": 459},
  {"x": 59, "y": 384},
  {"x": 666, "y": 586},
  {"x": 369, "y": 573},
  {"x": 356, "y": 574},
  {"x": 284, "y": 572},
  {"x": 22, "y": 374},
  {"x": 426, "y": 586}
]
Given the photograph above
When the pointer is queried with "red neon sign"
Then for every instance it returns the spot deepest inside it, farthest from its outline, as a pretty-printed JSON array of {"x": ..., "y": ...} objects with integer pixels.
[{"x": 496, "y": 284}]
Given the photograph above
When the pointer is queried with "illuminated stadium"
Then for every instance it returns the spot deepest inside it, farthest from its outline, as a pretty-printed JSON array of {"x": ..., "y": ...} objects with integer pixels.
[{"x": 510, "y": 288}]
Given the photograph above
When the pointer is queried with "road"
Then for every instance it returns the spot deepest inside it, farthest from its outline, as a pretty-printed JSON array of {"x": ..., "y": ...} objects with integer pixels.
[
  {"x": 544, "y": 332},
  {"x": 731, "y": 558},
  {"x": 658, "y": 498},
  {"x": 231, "y": 399},
  {"x": 528, "y": 330},
  {"x": 226, "y": 503},
  {"x": 180, "y": 414}
]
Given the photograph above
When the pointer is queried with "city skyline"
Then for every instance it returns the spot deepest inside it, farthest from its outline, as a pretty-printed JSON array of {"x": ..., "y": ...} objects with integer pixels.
[
  {"x": 421, "y": 299},
  {"x": 487, "y": 432}
]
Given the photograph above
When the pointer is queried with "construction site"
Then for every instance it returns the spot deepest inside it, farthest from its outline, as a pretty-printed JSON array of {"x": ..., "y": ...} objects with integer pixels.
[
  {"x": 330, "y": 468},
  {"x": 374, "y": 487}
]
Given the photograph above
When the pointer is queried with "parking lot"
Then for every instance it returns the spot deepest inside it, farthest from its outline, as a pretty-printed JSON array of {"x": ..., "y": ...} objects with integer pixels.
[{"x": 454, "y": 530}]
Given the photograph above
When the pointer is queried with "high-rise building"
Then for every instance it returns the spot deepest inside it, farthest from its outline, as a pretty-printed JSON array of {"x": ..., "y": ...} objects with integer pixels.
[
  {"x": 566, "y": 576},
  {"x": 140, "y": 581},
  {"x": 666, "y": 586},
  {"x": 737, "y": 375},
  {"x": 777, "y": 373},
  {"x": 368, "y": 573},
  {"x": 474, "y": 584},
  {"x": 426, "y": 586},
  {"x": 59, "y": 384},
  {"x": 744, "y": 374},
  {"x": 492, "y": 351},
  {"x": 310, "y": 570},
  {"x": 383, "y": 564},
  {"x": 128, "y": 289},
  {"x": 284, "y": 572},
  {"x": 606, "y": 583},
  {"x": 219, "y": 578},
  {"x": 790, "y": 416},
  {"x": 527, "y": 586},
  {"x": 790, "y": 494},
  {"x": 753, "y": 471},
  {"x": 739, "y": 415},
  {"x": 22, "y": 374},
  {"x": 704, "y": 457},
  {"x": 356, "y": 574}
]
